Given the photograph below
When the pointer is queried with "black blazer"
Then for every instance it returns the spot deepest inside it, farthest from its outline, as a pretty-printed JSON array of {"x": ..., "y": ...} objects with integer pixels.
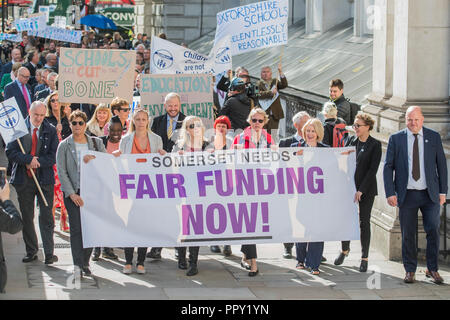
[
  {"x": 288, "y": 142},
  {"x": 159, "y": 126},
  {"x": 13, "y": 90},
  {"x": 367, "y": 162}
]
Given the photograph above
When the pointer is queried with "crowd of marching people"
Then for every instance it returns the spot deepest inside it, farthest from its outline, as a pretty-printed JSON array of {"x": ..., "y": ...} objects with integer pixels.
[{"x": 59, "y": 132}]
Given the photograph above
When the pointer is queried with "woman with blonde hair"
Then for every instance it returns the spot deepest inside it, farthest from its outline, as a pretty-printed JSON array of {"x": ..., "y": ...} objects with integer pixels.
[
  {"x": 139, "y": 140},
  {"x": 253, "y": 136},
  {"x": 192, "y": 139},
  {"x": 98, "y": 125},
  {"x": 309, "y": 254}
]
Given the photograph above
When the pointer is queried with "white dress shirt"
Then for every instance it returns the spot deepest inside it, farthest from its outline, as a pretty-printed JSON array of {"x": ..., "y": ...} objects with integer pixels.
[{"x": 420, "y": 184}]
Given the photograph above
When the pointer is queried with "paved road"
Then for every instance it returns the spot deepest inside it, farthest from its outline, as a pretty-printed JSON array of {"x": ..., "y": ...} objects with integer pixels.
[{"x": 219, "y": 277}]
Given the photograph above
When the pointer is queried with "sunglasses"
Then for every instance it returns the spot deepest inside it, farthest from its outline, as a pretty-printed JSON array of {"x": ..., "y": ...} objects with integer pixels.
[
  {"x": 257, "y": 120},
  {"x": 357, "y": 126},
  {"x": 125, "y": 109},
  {"x": 195, "y": 125},
  {"x": 80, "y": 123}
]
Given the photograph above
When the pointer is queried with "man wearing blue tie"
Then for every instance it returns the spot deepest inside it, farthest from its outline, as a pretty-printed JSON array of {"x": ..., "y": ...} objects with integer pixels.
[{"x": 417, "y": 158}]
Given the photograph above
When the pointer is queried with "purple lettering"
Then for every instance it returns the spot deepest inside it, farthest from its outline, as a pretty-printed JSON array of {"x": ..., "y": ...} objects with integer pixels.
[
  {"x": 145, "y": 187},
  {"x": 175, "y": 181},
  {"x": 219, "y": 182},
  {"x": 202, "y": 182},
  {"x": 188, "y": 219},
  {"x": 243, "y": 181},
  {"x": 124, "y": 186},
  {"x": 260, "y": 173},
  {"x": 210, "y": 218},
  {"x": 311, "y": 185},
  {"x": 160, "y": 185},
  {"x": 265, "y": 216},
  {"x": 292, "y": 180},
  {"x": 236, "y": 220}
]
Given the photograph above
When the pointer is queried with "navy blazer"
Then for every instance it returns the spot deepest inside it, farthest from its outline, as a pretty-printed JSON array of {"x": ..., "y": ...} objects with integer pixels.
[
  {"x": 13, "y": 90},
  {"x": 46, "y": 156},
  {"x": 397, "y": 161},
  {"x": 159, "y": 126}
]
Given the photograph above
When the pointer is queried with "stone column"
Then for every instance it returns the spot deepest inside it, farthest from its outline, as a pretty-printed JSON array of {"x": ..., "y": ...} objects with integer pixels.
[{"x": 410, "y": 67}]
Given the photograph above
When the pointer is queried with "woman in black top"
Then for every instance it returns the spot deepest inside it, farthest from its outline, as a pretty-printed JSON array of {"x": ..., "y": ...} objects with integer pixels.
[{"x": 368, "y": 156}]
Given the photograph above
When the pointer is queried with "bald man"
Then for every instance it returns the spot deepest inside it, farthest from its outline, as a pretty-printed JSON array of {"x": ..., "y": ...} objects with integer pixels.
[
  {"x": 415, "y": 177},
  {"x": 21, "y": 90},
  {"x": 40, "y": 146},
  {"x": 16, "y": 56}
]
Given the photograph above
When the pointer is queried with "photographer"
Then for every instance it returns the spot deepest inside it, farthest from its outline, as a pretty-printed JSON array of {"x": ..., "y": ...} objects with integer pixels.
[
  {"x": 238, "y": 105},
  {"x": 224, "y": 83},
  {"x": 10, "y": 222}
]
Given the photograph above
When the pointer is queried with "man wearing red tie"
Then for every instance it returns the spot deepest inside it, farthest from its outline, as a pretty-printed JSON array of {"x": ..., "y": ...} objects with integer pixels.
[
  {"x": 39, "y": 155},
  {"x": 21, "y": 90}
]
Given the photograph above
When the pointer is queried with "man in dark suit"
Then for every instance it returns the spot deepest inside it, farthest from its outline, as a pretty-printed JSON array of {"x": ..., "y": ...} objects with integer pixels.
[
  {"x": 416, "y": 156},
  {"x": 16, "y": 56},
  {"x": 51, "y": 81},
  {"x": 298, "y": 120},
  {"x": 42, "y": 86},
  {"x": 342, "y": 104},
  {"x": 40, "y": 155},
  {"x": 21, "y": 90},
  {"x": 165, "y": 126},
  {"x": 32, "y": 65}
]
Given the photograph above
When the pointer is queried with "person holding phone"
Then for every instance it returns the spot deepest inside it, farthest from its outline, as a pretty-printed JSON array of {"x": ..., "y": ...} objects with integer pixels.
[{"x": 10, "y": 222}]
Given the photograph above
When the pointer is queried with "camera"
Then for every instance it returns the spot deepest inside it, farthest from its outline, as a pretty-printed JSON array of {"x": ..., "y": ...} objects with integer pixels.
[{"x": 251, "y": 90}]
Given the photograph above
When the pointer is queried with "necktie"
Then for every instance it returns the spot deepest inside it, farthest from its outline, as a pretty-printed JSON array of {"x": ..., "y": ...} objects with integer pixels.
[
  {"x": 170, "y": 129},
  {"x": 33, "y": 148},
  {"x": 25, "y": 96},
  {"x": 415, "y": 160}
]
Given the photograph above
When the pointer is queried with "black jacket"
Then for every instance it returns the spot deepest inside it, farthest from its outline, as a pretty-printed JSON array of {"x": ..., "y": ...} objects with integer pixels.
[
  {"x": 237, "y": 108},
  {"x": 328, "y": 127},
  {"x": 344, "y": 109},
  {"x": 10, "y": 222},
  {"x": 367, "y": 162},
  {"x": 288, "y": 142},
  {"x": 66, "y": 131},
  {"x": 159, "y": 126}
]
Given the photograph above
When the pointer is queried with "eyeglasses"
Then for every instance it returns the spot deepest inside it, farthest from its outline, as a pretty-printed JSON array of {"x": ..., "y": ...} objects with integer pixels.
[
  {"x": 195, "y": 125},
  {"x": 257, "y": 120},
  {"x": 125, "y": 109},
  {"x": 26, "y": 77},
  {"x": 80, "y": 123},
  {"x": 357, "y": 126}
]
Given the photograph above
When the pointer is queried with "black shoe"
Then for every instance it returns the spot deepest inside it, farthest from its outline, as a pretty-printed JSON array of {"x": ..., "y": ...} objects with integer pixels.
[
  {"x": 51, "y": 259},
  {"x": 253, "y": 273},
  {"x": 192, "y": 270},
  {"x": 287, "y": 253},
  {"x": 86, "y": 271},
  {"x": 323, "y": 259},
  {"x": 227, "y": 251},
  {"x": 29, "y": 258},
  {"x": 182, "y": 264},
  {"x": 215, "y": 249},
  {"x": 154, "y": 254},
  {"x": 338, "y": 261},
  {"x": 109, "y": 254},
  {"x": 363, "y": 266}
]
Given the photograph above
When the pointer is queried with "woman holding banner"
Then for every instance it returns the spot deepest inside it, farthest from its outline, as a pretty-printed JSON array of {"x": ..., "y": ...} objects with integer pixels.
[
  {"x": 139, "y": 140},
  {"x": 368, "y": 156},
  {"x": 192, "y": 139},
  {"x": 68, "y": 160},
  {"x": 98, "y": 125},
  {"x": 56, "y": 116},
  {"x": 253, "y": 137},
  {"x": 309, "y": 254}
]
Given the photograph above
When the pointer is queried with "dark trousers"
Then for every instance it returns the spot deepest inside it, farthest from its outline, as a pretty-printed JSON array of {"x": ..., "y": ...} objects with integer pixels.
[
  {"x": 129, "y": 252},
  {"x": 309, "y": 253},
  {"x": 80, "y": 255},
  {"x": 288, "y": 245},
  {"x": 249, "y": 250},
  {"x": 414, "y": 201},
  {"x": 365, "y": 209},
  {"x": 193, "y": 254},
  {"x": 26, "y": 194}
]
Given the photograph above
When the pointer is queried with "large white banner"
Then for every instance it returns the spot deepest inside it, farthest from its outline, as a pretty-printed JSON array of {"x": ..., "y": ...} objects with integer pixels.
[
  {"x": 230, "y": 197},
  {"x": 170, "y": 58},
  {"x": 35, "y": 23},
  {"x": 59, "y": 34},
  {"x": 254, "y": 26}
]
